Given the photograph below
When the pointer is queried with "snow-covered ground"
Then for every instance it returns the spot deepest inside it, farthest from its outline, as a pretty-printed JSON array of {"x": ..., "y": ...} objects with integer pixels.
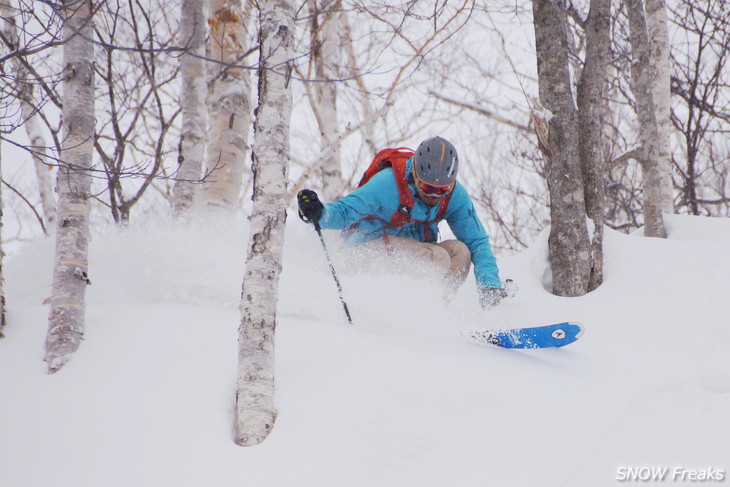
[{"x": 398, "y": 399}]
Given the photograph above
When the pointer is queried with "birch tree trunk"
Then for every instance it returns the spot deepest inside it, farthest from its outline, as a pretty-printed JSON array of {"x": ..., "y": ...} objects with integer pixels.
[
  {"x": 9, "y": 32},
  {"x": 70, "y": 277},
  {"x": 569, "y": 245},
  {"x": 367, "y": 131},
  {"x": 255, "y": 413},
  {"x": 192, "y": 100},
  {"x": 229, "y": 105},
  {"x": 32, "y": 127},
  {"x": 326, "y": 55},
  {"x": 593, "y": 84},
  {"x": 649, "y": 142},
  {"x": 656, "y": 21},
  {"x": 42, "y": 170},
  {"x": 2, "y": 255}
]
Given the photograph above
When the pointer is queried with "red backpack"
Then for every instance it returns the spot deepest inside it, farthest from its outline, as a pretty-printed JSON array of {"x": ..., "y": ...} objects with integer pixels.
[{"x": 396, "y": 159}]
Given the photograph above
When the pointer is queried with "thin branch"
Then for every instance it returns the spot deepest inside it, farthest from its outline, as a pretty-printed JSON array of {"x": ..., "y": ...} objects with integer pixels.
[
  {"x": 324, "y": 153},
  {"x": 30, "y": 205},
  {"x": 481, "y": 110},
  {"x": 624, "y": 158}
]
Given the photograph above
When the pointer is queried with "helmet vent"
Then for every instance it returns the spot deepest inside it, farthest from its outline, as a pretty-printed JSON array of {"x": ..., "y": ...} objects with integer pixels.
[{"x": 438, "y": 166}]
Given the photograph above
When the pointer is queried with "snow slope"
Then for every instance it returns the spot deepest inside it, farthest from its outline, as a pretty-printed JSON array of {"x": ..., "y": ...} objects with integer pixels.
[{"x": 398, "y": 399}]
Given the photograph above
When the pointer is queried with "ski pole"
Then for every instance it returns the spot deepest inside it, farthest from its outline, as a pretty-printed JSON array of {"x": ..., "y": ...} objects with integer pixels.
[{"x": 332, "y": 270}]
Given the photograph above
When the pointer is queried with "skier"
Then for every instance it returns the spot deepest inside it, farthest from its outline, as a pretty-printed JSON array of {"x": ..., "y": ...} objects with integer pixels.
[{"x": 396, "y": 212}]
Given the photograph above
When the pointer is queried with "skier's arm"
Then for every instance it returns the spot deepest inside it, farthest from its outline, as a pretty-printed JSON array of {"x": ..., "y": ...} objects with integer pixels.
[
  {"x": 464, "y": 223},
  {"x": 379, "y": 198}
]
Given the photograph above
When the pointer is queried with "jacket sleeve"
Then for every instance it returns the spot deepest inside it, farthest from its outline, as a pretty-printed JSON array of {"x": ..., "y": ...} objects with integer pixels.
[
  {"x": 379, "y": 197},
  {"x": 464, "y": 222}
]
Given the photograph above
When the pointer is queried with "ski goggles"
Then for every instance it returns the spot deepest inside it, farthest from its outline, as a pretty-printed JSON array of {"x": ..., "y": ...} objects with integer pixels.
[{"x": 433, "y": 191}]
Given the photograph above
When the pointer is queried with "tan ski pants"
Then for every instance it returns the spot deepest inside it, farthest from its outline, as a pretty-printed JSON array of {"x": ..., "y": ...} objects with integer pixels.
[{"x": 449, "y": 260}]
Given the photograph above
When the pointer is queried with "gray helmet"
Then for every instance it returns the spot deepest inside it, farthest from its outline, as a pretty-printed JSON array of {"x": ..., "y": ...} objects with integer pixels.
[{"x": 436, "y": 162}]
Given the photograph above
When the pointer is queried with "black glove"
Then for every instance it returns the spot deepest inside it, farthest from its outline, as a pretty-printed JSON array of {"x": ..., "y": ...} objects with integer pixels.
[
  {"x": 310, "y": 208},
  {"x": 489, "y": 297}
]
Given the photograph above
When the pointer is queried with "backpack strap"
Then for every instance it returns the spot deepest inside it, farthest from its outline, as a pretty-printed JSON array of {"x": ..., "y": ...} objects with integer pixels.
[
  {"x": 397, "y": 159},
  {"x": 403, "y": 214},
  {"x": 443, "y": 206}
]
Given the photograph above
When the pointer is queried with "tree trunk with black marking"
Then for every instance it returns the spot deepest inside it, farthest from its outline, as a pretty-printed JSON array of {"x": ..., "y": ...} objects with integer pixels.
[
  {"x": 229, "y": 105},
  {"x": 255, "y": 412},
  {"x": 70, "y": 277}
]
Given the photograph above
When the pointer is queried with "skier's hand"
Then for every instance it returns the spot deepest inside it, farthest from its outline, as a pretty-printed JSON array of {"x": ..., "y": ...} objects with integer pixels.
[
  {"x": 489, "y": 297},
  {"x": 510, "y": 288},
  {"x": 310, "y": 208}
]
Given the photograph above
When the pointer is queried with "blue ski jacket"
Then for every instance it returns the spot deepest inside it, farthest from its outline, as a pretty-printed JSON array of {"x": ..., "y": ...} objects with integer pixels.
[{"x": 380, "y": 198}]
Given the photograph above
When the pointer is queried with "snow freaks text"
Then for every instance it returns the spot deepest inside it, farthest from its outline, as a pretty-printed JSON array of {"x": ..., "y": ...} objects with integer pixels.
[{"x": 673, "y": 474}]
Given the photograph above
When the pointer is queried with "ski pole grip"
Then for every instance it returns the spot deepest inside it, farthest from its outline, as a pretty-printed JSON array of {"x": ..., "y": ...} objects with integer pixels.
[{"x": 510, "y": 288}]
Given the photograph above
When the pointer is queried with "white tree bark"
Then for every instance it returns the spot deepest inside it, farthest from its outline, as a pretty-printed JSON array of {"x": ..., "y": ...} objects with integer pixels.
[
  {"x": 255, "y": 412},
  {"x": 2, "y": 255},
  {"x": 42, "y": 170},
  {"x": 70, "y": 277},
  {"x": 656, "y": 21},
  {"x": 229, "y": 105},
  {"x": 8, "y": 30},
  {"x": 192, "y": 100},
  {"x": 32, "y": 127},
  {"x": 346, "y": 42},
  {"x": 325, "y": 37},
  {"x": 649, "y": 141}
]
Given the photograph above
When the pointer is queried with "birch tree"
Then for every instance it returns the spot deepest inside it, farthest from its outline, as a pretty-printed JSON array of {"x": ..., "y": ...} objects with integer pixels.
[
  {"x": 649, "y": 142},
  {"x": 2, "y": 255},
  {"x": 255, "y": 413},
  {"x": 658, "y": 33},
  {"x": 43, "y": 170},
  {"x": 70, "y": 277},
  {"x": 192, "y": 100},
  {"x": 229, "y": 104},
  {"x": 354, "y": 71},
  {"x": 569, "y": 245},
  {"x": 24, "y": 93},
  {"x": 325, "y": 35}
]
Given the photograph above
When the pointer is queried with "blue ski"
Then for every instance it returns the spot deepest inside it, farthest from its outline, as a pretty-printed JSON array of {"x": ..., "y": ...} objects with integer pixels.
[{"x": 557, "y": 335}]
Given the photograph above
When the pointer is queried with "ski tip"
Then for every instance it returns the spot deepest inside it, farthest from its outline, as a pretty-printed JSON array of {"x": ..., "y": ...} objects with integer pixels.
[{"x": 581, "y": 328}]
